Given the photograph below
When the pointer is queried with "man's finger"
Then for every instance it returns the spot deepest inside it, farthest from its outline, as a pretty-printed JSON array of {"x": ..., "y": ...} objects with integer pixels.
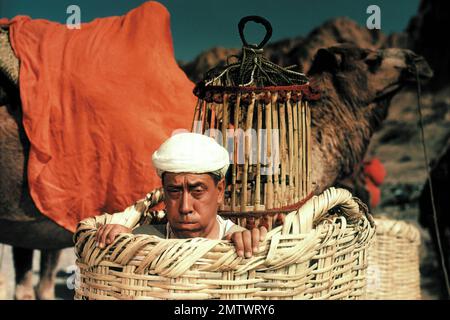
[
  {"x": 247, "y": 240},
  {"x": 111, "y": 235},
  {"x": 99, "y": 233},
  {"x": 104, "y": 235},
  {"x": 262, "y": 233},
  {"x": 238, "y": 243},
  {"x": 255, "y": 239}
]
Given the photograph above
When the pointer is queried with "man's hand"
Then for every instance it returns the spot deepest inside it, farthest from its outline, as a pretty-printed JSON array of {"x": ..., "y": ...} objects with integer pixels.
[
  {"x": 247, "y": 241},
  {"x": 108, "y": 232}
]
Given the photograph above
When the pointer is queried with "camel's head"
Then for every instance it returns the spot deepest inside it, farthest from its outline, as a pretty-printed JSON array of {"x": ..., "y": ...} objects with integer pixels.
[{"x": 363, "y": 76}]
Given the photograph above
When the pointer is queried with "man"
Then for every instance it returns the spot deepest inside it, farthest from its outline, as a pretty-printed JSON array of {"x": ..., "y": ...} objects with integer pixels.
[{"x": 192, "y": 168}]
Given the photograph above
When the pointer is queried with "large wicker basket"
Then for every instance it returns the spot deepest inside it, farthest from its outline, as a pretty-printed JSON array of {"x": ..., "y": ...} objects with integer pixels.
[
  {"x": 319, "y": 253},
  {"x": 393, "y": 271}
]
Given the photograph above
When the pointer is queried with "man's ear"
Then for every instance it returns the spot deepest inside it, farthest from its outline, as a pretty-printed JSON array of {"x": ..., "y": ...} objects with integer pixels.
[{"x": 221, "y": 189}]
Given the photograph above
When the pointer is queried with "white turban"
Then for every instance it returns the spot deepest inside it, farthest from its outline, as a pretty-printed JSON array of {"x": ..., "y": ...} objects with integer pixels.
[{"x": 191, "y": 153}]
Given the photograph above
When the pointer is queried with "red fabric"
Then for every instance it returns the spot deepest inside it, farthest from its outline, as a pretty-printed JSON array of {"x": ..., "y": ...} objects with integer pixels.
[
  {"x": 374, "y": 191},
  {"x": 96, "y": 103},
  {"x": 375, "y": 170},
  {"x": 374, "y": 176}
]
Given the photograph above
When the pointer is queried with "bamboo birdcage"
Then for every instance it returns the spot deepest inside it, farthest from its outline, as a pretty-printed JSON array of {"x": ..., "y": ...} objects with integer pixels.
[{"x": 259, "y": 111}]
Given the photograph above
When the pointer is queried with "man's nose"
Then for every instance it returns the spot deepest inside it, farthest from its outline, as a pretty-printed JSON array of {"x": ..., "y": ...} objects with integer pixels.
[{"x": 186, "y": 203}]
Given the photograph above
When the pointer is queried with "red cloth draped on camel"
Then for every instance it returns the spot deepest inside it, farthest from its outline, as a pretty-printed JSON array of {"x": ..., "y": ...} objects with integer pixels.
[{"x": 96, "y": 103}]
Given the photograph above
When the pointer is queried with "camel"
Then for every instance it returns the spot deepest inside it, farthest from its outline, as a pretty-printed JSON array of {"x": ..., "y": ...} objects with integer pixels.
[{"x": 356, "y": 86}]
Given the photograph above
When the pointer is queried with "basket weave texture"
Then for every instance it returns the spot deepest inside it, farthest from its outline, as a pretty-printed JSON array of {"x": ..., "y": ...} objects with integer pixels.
[
  {"x": 319, "y": 253},
  {"x": 393, "y": 272}
]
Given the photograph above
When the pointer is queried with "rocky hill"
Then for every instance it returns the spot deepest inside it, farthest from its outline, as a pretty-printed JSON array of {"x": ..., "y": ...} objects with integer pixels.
[{"x": 299, "y": 51}]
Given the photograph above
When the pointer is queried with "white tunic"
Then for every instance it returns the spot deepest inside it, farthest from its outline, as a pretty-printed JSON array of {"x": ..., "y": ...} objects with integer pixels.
[{"x": 224, "y": 225}]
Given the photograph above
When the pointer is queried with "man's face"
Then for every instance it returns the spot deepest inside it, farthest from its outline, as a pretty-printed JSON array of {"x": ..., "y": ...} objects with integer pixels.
[{"x": 191, "y": 202}]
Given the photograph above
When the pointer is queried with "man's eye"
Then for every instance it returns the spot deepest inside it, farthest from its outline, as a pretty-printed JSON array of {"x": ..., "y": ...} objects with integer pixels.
[{"x": 197, "y": 191}]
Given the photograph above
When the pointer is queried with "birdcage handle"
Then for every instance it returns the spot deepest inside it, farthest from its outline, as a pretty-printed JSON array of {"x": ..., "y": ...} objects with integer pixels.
[{"x": 259, "y": 20}]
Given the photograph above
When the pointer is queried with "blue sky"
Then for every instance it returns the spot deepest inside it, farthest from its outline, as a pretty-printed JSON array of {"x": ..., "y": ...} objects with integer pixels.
[{"x": 198, "y": 25}]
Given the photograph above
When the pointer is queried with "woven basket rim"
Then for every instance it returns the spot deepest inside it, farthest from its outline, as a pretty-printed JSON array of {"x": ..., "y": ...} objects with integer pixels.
[{"x": 397, "y": 228}]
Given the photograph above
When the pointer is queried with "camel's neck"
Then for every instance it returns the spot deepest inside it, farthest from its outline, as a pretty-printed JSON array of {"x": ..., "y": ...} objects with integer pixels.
[{"x": 341, "y": 130}]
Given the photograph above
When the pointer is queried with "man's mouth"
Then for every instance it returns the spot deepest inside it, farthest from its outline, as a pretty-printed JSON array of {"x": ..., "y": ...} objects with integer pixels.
[{"x": 186, "y": 226}]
